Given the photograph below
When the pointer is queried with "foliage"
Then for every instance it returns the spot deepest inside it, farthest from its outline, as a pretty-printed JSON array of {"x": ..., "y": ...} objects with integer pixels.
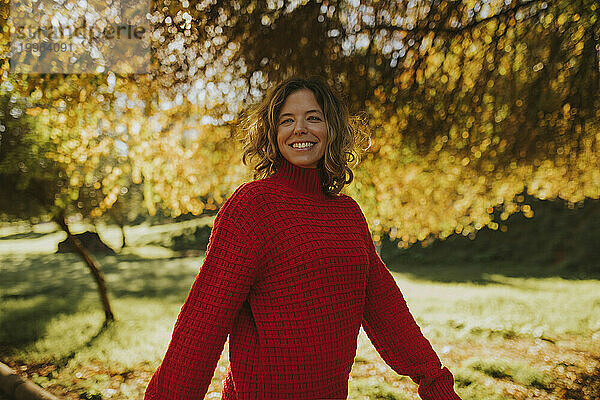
[
  {"x": 470, "y": 102},
  {"x": 30, "y": 181},
  {"x": 559, "y": 237}
]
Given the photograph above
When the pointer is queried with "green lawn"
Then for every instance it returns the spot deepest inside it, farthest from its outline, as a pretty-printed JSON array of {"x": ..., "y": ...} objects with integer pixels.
[{"x": 503, "y": 337}]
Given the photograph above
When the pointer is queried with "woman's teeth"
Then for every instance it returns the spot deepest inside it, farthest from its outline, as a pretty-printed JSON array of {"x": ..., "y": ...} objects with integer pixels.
[{"x": 302, "y": 145}]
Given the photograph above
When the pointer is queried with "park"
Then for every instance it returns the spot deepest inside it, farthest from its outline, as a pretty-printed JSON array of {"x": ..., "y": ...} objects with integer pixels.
[{"x": 475, "y": 157}]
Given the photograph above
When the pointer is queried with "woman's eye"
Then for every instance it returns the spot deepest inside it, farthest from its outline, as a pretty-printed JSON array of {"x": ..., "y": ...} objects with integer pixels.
[{"x": 289, "y": 119}]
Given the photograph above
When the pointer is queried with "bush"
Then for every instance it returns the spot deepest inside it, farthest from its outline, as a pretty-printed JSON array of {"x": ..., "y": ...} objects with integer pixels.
[{"x": 192, "y": 238}]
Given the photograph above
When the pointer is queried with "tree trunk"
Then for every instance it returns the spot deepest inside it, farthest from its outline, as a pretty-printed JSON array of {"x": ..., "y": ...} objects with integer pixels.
[
  {"x": 123, "y": 242},
  {"x": 16, "y": 387},
  {"x": 92, "y": 265}
]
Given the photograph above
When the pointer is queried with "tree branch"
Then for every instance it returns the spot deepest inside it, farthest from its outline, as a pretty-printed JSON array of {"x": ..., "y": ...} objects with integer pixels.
[{"x": 471, "y": 25}]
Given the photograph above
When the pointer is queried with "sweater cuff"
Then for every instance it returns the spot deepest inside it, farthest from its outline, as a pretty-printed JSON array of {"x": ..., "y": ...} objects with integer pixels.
[{"x": 442, "y": 388}]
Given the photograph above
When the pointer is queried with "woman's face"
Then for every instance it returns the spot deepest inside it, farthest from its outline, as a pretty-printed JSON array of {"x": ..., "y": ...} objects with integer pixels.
[{"x": 301, "y": 122}]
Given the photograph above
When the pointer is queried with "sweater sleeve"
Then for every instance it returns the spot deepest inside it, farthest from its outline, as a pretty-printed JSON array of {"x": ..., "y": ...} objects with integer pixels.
[
  {"x": 207, "y": 315},
  {"x": 395, "y": 334}
]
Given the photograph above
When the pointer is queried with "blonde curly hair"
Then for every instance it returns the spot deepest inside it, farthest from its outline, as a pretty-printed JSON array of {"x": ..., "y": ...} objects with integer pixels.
[{"x": 346, "y": 134}]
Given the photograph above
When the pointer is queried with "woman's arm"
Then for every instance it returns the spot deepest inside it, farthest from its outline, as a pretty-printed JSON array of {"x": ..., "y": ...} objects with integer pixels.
[
  {"x": 207, "y": 316},
  {"x": 394, "y": 333}
]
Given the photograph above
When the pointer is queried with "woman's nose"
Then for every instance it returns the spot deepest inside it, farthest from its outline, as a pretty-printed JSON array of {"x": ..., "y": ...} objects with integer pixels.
[{"x": 300, "y": 126}]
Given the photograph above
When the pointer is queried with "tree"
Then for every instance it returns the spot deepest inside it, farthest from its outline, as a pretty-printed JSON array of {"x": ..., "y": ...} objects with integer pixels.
[
  {"x": 38, "y": 185},
  {"x": 471, "y": 102},
  {"x": 127, "y": 209}
]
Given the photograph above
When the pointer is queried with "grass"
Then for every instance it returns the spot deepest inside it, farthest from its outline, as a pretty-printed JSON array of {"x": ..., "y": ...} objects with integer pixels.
[
  {"x": 374, "y": 388},
  {"x": 502, "y": 336},
  {"x": 514, "y": 370}
]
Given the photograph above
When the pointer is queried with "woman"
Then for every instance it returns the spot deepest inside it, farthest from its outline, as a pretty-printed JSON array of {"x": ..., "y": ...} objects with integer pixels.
[{"x": 291, "y": 272}]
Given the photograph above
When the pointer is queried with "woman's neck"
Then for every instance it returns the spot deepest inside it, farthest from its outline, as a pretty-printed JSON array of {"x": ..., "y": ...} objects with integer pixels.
[{"x": 303, "y": 179}]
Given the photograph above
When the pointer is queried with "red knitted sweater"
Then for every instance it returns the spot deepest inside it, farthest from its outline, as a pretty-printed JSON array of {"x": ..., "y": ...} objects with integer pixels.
[{"x": 290, "y": 274}]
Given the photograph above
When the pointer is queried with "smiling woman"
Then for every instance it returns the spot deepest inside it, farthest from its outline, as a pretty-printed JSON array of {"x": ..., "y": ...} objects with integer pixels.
[
  {"x": 304, "y": 122},
  {"x": 302, "y": 129},
  {"x": 291, "y": 272}
]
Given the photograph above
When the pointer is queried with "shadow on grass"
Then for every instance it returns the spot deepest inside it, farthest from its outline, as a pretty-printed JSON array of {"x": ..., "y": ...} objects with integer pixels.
[
  {"x": 478, "y": 273},
  {"x": 37, "y": 288},
  {"x": 63, "y": 361},
  {"x": 33, "y": 292},
  {"x": 23, "y": 324},
  {"x": 159, "y": 278},
  {"x": 24, "y": 235}
]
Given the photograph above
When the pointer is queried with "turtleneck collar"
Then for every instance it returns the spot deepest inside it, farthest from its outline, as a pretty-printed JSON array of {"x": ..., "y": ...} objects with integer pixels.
[{"x": 303, "y": 179}]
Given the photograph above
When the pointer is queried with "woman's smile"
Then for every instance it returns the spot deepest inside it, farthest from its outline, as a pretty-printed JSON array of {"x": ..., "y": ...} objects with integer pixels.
[{"x": 303, "y": 146}]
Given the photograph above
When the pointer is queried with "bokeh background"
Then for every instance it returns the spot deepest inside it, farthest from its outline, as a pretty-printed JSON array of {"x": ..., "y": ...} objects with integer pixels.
[{"x": 481, "y": 183}]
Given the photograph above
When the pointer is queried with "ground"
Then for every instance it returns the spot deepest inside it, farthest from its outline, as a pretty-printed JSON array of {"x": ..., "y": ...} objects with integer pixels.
[{"x": 503, "y": 337}]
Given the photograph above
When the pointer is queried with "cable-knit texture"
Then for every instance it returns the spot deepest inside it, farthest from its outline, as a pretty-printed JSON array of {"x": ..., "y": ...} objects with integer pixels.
[{"x": 290, "y": 274}]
